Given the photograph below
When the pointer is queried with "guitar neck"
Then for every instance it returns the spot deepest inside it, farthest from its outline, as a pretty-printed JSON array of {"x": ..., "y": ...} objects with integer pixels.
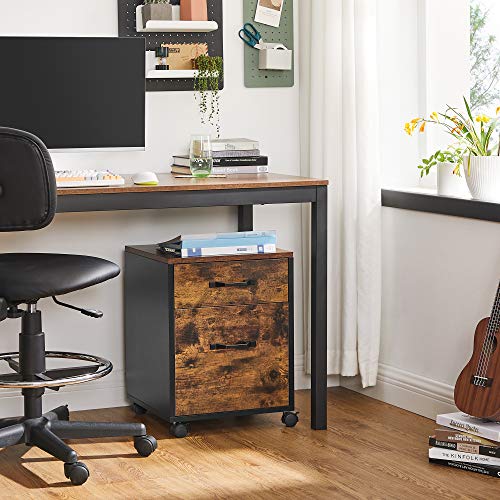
[{"x": 494, "y": 323}]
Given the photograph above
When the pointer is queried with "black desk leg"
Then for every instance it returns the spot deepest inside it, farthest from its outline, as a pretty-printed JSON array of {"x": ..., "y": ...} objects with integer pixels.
[
  {"x": 245, "y": 218},
  {"x": 319, "y": 229}
]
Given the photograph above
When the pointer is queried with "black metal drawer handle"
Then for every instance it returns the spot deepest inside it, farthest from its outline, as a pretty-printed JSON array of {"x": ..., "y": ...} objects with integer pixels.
[
  {"x": 239, "y": 345},
  {"x": 238, "y": 284}
]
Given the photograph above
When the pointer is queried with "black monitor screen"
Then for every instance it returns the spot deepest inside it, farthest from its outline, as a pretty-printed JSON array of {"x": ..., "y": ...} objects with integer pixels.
[{"x": 75, "y": 93}]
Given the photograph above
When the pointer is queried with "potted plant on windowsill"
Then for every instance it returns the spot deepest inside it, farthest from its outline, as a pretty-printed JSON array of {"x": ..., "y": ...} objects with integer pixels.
[
  {"x": 156, "y": 10},
  {"x": 481, "y": 159},
  {"x": 448, "y": 163}
]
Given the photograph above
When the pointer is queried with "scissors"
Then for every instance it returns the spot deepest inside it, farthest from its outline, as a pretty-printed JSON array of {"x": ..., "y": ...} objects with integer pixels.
[{"x": 251, "y": 36}]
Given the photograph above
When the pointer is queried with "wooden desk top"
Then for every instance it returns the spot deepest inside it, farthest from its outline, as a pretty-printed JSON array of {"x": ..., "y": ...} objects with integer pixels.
[{"x": 169, "y": 183}]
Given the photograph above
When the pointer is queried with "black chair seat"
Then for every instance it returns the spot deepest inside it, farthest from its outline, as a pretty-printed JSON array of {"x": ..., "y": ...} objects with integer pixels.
[{"x": 27, "y": 277}]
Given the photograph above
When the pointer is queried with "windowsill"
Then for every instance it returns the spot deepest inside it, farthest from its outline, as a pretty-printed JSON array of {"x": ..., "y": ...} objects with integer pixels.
[{"x": 426, "y": 200}]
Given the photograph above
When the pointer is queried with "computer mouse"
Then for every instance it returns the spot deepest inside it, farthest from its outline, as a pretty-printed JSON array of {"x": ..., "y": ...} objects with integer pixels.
[{"x": 146, "y": 179}]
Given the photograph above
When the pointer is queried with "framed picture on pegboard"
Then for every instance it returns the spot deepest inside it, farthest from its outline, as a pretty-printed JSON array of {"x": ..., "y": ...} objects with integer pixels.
[{"x": 171, "y": 42}]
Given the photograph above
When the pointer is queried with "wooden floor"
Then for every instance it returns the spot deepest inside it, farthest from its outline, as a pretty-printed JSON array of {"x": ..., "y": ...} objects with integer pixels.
[{"x": 370, "y": 450}]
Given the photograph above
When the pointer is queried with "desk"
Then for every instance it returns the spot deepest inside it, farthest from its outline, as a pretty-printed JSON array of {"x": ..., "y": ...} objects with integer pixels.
[{"x": 242, "y": 191}]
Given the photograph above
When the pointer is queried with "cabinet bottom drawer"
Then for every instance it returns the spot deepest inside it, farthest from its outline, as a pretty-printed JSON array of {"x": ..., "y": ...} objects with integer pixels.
[{"x": 232, "y": 358}]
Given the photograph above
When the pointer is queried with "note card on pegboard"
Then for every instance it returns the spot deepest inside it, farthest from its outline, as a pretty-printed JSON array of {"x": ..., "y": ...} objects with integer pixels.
[{"x": 255, "y": 77}]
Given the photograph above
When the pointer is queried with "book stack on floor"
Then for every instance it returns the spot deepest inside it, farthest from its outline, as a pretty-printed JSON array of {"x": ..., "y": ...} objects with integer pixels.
[
  {"x": 466, "y": 443},
  {"x": 231, "y": 156},
  {"x": 208, "y": 245}
]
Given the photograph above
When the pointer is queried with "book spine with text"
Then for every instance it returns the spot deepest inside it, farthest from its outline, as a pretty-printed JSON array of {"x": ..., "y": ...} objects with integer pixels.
[
  {"x": 458, "y": 456},
  {"x": 477, "y": 449},
  {"x": 236, "y": 154},
  {"x": 453, "y": 436},
  {"x": 235, "y": 145},
  {"x": 480, "y": 469},
  {"x": 213, "y": 251},
  {"x": 464, "y": 423},
  {"x": 241, "y": 170},
  {"x": 246, "y": 161}
]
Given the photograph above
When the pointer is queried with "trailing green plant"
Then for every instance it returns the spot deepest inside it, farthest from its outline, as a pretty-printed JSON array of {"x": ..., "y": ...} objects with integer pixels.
[
  {"x": 206, "y": 85},
  {"x": 453, "y": 154}
]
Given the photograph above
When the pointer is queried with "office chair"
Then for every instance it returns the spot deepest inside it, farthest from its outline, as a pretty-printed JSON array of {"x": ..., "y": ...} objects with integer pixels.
[{"x": 28, "y": 202}]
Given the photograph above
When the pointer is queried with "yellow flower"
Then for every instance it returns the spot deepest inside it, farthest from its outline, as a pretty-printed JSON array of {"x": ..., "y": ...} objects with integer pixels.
[
  {"x": 422, "y": 127},
  {"x": 434, "y": 116},
  {"x": 483, "y": 119},
  {"x": 415, "y": 120},
  {"x": 410, "y": 128},
  {"x": 498, "y": 110}
]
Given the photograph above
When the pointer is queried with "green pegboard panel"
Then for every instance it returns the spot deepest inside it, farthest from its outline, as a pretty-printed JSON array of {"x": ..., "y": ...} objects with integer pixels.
[{"x": 255, "y": 77}]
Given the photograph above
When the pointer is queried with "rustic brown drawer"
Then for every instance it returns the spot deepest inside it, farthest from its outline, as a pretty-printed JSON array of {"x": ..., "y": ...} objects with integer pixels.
[
  {"x": 231, "y": 358},
  {"x": 234, "y": 282}
]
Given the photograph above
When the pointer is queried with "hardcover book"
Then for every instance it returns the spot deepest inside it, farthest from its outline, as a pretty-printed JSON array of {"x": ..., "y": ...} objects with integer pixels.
[
  {"x": 477, "y": 426},
  {"x": 457, "y": 456},
  {"x": 242, "y": 161},
  {"x": 177, "y": 169},
  {"x": 452, "y": 436},
  {"x": 480, "y": 469},
  {"x": 478, "y": 449},
  {"x": 239, "y": 144}
]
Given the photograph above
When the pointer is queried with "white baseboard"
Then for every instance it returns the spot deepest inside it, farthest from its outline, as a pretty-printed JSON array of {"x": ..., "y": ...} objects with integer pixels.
[
  {"x": 406, "y": 390},
  {"x": 303, "y": 380},
  {"x": 109, "y": 392}
]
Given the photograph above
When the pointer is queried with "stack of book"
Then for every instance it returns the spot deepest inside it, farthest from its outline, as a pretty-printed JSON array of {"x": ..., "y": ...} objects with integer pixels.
[
  {"x": 231, "y": 156},
  {"x": 466, "y": 443},
  {"x": 207, "y": 245}
]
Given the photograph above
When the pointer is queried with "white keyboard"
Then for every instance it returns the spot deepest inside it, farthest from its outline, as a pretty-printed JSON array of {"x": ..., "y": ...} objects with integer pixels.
[{"x": 87, "y": 178}]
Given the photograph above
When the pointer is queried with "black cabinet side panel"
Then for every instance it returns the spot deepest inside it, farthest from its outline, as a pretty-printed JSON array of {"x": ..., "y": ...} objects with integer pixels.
[{"x": 147, "y": 342}]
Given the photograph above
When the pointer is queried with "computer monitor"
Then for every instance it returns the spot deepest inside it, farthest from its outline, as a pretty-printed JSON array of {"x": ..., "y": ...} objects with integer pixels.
[{"x": 75, "y": 93}]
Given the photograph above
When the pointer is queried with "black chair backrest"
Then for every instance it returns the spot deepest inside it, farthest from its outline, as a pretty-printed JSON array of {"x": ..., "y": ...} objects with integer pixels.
[{"x": 28, "y": 193}]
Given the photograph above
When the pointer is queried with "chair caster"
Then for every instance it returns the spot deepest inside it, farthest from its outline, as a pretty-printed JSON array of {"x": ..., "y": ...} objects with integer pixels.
[
  {"x": 290, "y": 418},
  {"x": 77, "y": 473},
  {"x": 145, "y": 445},
  {"x": 179, "y": 430},
  {"x": 138, "y": 409}
]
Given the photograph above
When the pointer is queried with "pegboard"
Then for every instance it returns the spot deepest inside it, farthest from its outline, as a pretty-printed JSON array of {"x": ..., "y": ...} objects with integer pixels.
[
  {"x": 214, "y": 39},
  {"x": 255, "y": 77}
]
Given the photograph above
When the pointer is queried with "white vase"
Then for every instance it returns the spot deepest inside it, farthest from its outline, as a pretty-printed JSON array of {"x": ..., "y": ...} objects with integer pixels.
[
  {"x": 450, "y": 184},
  {"x": 483, "y": 177}
]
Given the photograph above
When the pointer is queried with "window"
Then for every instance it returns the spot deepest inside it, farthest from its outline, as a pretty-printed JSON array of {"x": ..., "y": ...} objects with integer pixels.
[
  {"x": 485, "y": 54},
  {"x": 432, "y": 54}
]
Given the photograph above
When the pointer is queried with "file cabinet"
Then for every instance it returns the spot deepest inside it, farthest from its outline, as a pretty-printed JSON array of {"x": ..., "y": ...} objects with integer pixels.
[{"x": 209, "y": 337}]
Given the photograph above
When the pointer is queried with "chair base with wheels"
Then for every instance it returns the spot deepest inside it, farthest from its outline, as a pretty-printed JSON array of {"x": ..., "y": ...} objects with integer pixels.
[
  {"x": 28, "y": 200},
  {"x": 48, "y": 430}
]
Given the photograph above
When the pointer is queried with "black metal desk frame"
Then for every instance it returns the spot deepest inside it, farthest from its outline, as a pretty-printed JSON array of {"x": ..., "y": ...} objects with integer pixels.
[{"x": 245, "y": 199}]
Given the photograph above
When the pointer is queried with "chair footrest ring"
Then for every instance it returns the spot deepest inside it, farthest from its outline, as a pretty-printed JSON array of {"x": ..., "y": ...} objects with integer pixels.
[{"x": 58, "y": 377}]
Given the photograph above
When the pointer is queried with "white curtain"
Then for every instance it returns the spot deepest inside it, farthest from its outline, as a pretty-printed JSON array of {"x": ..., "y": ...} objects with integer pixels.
[{"x": 340, "y": 142}]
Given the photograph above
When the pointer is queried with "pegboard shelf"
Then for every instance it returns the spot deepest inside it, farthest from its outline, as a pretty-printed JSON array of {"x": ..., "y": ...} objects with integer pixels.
[
  {"x": 179, "y": 27},
  {"x": 172, "y": 73},
  {"x": 196, "y": 35},
  {"x": 172, "y": 26}
]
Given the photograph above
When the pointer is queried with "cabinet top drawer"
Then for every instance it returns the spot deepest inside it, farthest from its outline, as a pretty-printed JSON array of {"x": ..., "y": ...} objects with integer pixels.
[{"x": 228, "y": 283}]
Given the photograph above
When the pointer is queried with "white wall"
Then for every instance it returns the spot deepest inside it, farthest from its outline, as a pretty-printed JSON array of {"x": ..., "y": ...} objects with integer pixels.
[
  {"x": 269, "y": 115},
  {"x": 440, "y": 273}
]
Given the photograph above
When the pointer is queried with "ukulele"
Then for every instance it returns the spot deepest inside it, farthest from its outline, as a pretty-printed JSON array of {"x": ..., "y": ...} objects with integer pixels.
[{"x": 477, "y": 391}]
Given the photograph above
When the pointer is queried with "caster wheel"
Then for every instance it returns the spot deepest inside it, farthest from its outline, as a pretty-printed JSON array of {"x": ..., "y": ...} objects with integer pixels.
[
  {"x": 145, "y": 445},
  {"x": 179, "y": 430},
  {"x": 138, "y": 409},
  {"x": 62, "y": 413},
  {"x": 77, "y": 473},
  {"x": 290, "y": 418}
]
